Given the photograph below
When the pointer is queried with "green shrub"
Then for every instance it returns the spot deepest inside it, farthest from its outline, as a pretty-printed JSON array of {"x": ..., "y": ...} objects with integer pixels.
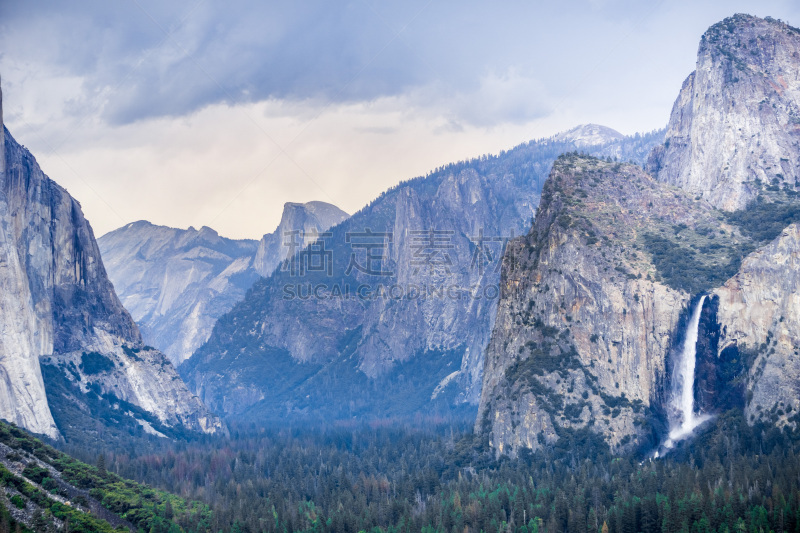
[
  {"x": 35, "y": 473},
  {"x": 18, "y": 501},
  {"x": 95, "y": 363},
  {"x": 764, "y": 220}
]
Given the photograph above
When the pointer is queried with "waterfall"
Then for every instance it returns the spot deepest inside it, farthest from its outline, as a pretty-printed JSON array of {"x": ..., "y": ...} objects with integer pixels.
[{"x": 683, "y": 419}]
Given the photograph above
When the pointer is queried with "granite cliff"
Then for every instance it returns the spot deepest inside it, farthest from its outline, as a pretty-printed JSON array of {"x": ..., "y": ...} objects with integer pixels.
[
  {"x": 759, "y": 324},
  {"x": 589, "y": 311},
  {"x": 57, "y": 306},
  {"x": 395, "y": 318},
  {"x": 735, "y": 126},
  {"x": 299, "y": 226},
  {"x": 595, "y": 299},
  {"x": 176, "y": 283},
  {"x": 734, "y": 139}
]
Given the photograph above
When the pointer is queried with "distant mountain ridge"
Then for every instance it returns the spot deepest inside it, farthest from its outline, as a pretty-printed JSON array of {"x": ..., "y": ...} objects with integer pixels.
[
  {"x": 284, "y": 352},
  {"x": 176, "y": 283},
  {"x": 589, "y": 135},
  {"x": 173, "y": 280}
]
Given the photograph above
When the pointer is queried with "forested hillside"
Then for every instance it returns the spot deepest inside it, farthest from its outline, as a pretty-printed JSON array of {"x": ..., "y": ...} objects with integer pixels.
[
  {"x": 44, "y": 489},
  {"x": 439, "y": 477}
]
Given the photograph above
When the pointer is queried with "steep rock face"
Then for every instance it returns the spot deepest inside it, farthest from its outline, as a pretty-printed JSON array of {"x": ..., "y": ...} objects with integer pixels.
[
  {"x": 57, "y": 301},
  {"x": 122, "y": 374},
  {"x": 584, "y": 329},
  {"x": 176, "y": 283},
  {"x": 720, "y": 372},
  {"x": 376, "y": 333},
  {"x": 734, "y": 139},
  {"x": 300, "y": 224},
  {"x": 735, "y": 126},
  {"x": 759, "y": 318},
  {"x": 413, "y": 339}
]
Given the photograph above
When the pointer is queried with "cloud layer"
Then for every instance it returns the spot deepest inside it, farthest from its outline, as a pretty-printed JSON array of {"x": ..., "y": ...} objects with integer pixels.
[{"x": 201, "y": 112}]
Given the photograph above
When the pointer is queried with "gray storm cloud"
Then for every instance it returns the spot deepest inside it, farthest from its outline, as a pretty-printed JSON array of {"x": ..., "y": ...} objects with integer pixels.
[
  {"x": 483, "y": 63},
  {"x": 200, "y": 112}
]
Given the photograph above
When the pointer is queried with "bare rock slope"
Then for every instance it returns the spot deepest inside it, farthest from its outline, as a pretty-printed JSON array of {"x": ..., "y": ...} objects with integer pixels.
[
  {"x": 399, "y": 323},
  {"x": 586, "y": 319},
  {"x": 595, "y": 298},
  {"x": 735, "y": 126},
  {"x": 57, "y": 304},
  {"x": 176, "y": 283}
]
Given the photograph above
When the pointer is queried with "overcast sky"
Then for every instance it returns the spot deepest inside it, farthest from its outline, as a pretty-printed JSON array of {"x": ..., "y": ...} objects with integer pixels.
[{"x": 213, "y": 113}]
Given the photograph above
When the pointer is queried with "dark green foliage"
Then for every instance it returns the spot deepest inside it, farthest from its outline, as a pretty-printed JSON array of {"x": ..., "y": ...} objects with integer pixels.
[
  {"x": 763, "y": 220},
  {"x": 697, "y": 259},
  {"x": 18, "y": 501},
  {"x": 409, "y": 478},
  {"x": 683, "y": 268},
  {"x": 133, "y": 353},
  {"x": 35, "y": 472},
  {"x": 544, "y": 358},
  {"x": 95, "y": 419},
  {"x": 128, "y": 502},
  {"x": 95, "y": 363}
]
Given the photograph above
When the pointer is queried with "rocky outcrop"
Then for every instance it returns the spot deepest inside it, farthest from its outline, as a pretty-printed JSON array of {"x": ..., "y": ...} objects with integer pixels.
[
  {"x": 56, "y": 301},
  {"x": 400, "y": 322},
  {"x": 735, "y": 126},
  {"x": 176, "y": 283},
  {"x": 138, "y": 375},
  {"x": 586, "y": 322},
  {"x": 734, "y": 139},
  {"x": 615, "y": 256},
  {"x": 759, "y": 320},
  {"x": 300, "y": 224}
]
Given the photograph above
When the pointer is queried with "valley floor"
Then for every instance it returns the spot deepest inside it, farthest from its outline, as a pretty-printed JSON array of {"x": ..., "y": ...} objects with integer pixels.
[{"x": 436, "y": 476}]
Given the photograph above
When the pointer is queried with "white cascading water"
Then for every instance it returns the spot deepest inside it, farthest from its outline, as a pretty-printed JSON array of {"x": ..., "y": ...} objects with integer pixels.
[{"x": 683, "y": 419}]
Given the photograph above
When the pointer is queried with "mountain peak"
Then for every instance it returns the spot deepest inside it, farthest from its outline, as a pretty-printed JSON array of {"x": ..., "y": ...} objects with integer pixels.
[
  {"x": 166, "y": 277},
  {"x": 740, "y": 22},
  {"x": 307, "y": 218},
  {"x": 741, "y": 100},
  {"x": 589, "y": 135},
  {"x": 322, "y": 210},
  {"x": 2, "y": 135},
  {"x": 59, "y": 310}
]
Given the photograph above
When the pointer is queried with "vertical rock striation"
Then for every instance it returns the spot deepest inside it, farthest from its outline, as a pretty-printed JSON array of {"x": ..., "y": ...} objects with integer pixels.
[
  {"x": 413, "y": 341},
  {"x": 306, "y": 221},
  {"x": 176, "y": 283},
  {"x": 735, "y": 126},
  {"x": 584, "y": 330},
  {"x": 57, "y": 304},
  {"x": 759, "y": 320},
  {"x": 614, "y": 257}
]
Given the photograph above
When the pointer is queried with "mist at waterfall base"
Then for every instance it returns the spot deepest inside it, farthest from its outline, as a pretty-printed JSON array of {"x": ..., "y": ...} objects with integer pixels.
[{"x": 683, "y": 419}]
